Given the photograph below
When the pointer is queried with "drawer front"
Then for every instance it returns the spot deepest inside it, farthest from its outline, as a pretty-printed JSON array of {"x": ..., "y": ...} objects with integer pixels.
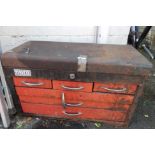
[
  {"x": 73, "y": 86},
  {"x": 79, "y": 96},
  {"x": 115, "y": 88},
  {"x": 74, "y": 103},
  {"x": 32, "y": 82},
  {"x": 70, "y": 99},
  {"x": 79, "y": 113}
]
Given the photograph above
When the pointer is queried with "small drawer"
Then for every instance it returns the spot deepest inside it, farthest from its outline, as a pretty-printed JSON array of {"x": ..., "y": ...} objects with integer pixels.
[
  {"x": 73, "y": 86},
  {"x": 115, "y": 88},
  {"x": 32, "y": 82}
]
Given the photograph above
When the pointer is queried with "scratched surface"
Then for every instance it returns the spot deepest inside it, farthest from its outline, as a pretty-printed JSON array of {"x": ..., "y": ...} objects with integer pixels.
[{"x": 117, "y": 59}]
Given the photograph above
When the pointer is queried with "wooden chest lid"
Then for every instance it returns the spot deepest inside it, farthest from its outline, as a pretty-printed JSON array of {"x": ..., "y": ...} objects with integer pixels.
[{"x": 62, "y": 56}]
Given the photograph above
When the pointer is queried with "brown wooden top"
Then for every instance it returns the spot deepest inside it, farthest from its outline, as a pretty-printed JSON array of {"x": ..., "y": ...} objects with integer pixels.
[{"x": 117, "y": 59}]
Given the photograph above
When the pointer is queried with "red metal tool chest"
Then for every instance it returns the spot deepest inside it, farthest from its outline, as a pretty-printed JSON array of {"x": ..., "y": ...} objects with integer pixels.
[{"x": 76, "y": 80}]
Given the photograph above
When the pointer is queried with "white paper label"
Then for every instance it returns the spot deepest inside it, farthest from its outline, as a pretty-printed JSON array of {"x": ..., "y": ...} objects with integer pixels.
[{"x": 22, "y": 72}]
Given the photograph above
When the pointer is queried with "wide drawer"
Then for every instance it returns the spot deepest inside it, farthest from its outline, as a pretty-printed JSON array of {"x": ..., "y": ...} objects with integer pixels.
[
  {"x": 75, "y": 103},
  {"x": 78, "y": 113},
  {"x": 115, "y": 88},
  {"x": 73, "y": 86},
  {"x": 78, "y": 96},
  {"x": 32, "y": 82}
]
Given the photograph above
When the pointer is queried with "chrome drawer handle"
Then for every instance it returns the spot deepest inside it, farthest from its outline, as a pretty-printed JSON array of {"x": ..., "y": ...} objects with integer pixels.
[
  {"x": 73, "y": 105},
  {"x": 64, "y": 104},
  {"x": 72, "y": 114},
  {"x": 72, "y": 88},
  {"x": 32, "y": 84},
  {"x": 115, "y": 90}
]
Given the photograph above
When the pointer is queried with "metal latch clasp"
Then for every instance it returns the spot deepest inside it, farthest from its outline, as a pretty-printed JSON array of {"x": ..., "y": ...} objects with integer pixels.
[{"x": 82, "y": 62}]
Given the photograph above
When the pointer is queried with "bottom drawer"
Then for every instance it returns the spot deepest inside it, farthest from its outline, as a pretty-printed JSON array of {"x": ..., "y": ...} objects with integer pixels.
[{"x": 76, "y": 112}]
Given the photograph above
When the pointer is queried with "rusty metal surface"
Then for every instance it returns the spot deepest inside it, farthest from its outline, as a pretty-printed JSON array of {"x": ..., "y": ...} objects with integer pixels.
[{"x": 57, "y": 56}]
